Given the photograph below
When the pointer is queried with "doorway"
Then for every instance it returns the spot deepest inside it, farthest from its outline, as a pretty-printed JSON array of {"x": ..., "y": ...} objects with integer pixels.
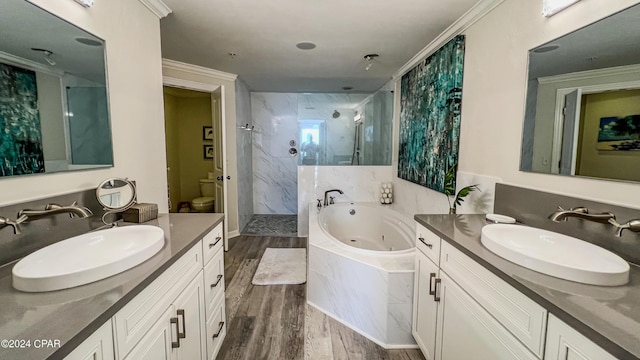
[{"x": 194, "y": 150}]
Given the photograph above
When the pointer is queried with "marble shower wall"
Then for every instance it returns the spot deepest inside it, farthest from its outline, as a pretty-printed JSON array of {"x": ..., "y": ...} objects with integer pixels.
[
  {"x": 244, "y": 155},
  {"x": 359, "y": 184},
  {"x": 275, "y": 117}
]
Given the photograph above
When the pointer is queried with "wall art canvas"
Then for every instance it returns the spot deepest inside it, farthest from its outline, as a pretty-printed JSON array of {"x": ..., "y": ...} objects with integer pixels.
[
  {"x": 619, "y": 134},
  {"x": 430, "y": 104},
  {"x": 20, "y": 133}
]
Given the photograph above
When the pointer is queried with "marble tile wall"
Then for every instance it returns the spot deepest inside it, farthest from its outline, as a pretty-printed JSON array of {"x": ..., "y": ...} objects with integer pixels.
[
  {"x": 359, "y": 183},
  {"x": 275, "y": 117},
  {"x": 244, "y": 155}
]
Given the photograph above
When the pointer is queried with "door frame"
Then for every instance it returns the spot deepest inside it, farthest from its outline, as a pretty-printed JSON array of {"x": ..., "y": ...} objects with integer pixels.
[{"x": 209, "y": 88}]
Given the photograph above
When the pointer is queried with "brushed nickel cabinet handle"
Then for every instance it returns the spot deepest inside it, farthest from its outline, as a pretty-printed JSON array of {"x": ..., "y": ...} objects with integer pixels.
[
  {"x": 217, "y": 282},
  {"x": 430, "y": 246},
  {"x": 431, "y": 276},
  {"x": 175, "y": 344},
  {"x": 183, "y": 334},
  {"x": 221, "y": 326},
  {"x": 215, "y": 243},
  {"x": 436, "y": 298}
]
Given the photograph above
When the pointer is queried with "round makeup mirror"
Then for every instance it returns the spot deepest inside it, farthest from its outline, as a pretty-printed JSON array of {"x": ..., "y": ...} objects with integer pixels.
[{"x": 116, "y": 195}]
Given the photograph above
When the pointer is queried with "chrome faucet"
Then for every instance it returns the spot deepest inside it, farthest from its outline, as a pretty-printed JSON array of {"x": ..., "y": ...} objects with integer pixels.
[
  {"x": 582, "y": 213},
  {"x": 631, "y": 225},
  {"x": 53, "y": 209},
  {"x": 326, "y": 193}
]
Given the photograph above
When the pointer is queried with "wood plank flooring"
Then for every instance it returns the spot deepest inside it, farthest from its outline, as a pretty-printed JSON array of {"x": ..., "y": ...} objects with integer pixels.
[{"x": 274, "y": 322}]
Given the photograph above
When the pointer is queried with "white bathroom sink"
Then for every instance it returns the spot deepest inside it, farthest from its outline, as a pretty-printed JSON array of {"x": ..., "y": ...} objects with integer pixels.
[
  {"x": 556, "y": 254},
  {"x": 87, "y": 258}
]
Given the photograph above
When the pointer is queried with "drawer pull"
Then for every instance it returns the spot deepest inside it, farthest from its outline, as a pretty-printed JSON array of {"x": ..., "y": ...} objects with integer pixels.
[
  {"x": 215, "y": 243},
  {"x": 220, "y": 327},
  {"x": 436, "y": 298},
  {"x": 431, "y": 276},
  {"x": 217, "y": 282},
  {"x": 175, "y": 344},
  {"x": 430, "y": 246},
  {"x": 183, "y": 334}
]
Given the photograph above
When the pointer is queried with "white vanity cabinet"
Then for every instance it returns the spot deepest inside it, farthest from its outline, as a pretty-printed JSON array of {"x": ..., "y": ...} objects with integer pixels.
[
  {"x": 216, "y": 326},
  {"x": 98, "y": 346},
  {"x": 565, "y": 343},
  {"x": 169, "y": 318}
]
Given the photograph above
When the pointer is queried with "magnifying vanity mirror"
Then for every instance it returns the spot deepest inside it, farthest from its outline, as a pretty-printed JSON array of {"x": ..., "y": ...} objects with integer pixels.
[
  {"x": 582, "y": 114},
  {"x": 116, "y": 195},
  {"x": 54, "y": 108}
]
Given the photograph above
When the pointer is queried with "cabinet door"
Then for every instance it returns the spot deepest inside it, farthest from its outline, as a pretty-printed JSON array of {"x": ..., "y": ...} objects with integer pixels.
[
  {"x": 424, "y": 305},
  {"x": 98, "y": 346},
  {"x": 189, "y": 309},
  {"x": 156, "y": 343},
  {"x": 466, "y": 331},
  {"x": 565, "y": 343}
]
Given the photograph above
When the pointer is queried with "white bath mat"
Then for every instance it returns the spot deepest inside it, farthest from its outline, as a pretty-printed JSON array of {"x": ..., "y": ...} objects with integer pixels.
[{"x": 282, "y": 266}]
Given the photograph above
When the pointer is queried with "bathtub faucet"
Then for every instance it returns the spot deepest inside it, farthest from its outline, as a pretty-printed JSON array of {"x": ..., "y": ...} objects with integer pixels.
[{"x": 326, "y": 195}]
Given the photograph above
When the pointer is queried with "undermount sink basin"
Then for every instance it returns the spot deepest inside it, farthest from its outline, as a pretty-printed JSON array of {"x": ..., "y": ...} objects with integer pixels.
[
  {"x": 87, "y": 258},
  {"x": 556, "y": 254}
]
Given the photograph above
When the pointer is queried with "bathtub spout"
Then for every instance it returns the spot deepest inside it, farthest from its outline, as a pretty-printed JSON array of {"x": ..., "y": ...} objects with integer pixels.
[{"x": 326, "y": 194}]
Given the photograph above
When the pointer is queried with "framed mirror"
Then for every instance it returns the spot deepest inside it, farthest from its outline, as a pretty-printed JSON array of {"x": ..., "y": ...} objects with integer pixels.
[
  {"x": 582, "y": 115},
  {"x": 54, "y": 108}
]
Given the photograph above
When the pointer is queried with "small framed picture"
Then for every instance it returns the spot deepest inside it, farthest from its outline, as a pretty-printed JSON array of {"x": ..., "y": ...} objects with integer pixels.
[
  {"x": 207, "y": 133},
  {"x": 207, "y": 151}
]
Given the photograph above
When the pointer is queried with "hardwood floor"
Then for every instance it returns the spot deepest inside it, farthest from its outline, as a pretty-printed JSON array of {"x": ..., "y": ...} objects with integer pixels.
[{"x": 274, "y": 322}]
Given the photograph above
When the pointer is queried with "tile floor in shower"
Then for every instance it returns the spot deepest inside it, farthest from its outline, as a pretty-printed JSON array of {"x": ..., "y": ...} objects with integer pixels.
[{"x": 272, "y": 225}]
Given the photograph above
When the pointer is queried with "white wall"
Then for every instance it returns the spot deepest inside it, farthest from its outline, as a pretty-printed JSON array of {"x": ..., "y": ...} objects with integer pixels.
[
  {"x": 132, "y": 34},
  {"x": 494, "y": 94}
]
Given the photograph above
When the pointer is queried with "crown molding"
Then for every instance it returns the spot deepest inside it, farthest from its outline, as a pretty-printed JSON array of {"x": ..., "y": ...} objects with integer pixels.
[
  {"x": 157, "y": 7},
  {"x": 474, "y": 14},
  {"x": 29, "y": 64},
  {"x": 197, "y": 70},
  {"x": 591, "y": 74}
]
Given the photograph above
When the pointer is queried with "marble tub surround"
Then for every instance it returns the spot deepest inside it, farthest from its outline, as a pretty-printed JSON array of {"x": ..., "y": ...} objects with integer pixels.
[
  {"x": 532, "y": 207},
  {"x": 359, "y": 184},
  {"x": 608, "y": 316},
  {"x": 372, "y": 294},
  {"x": 72, "y": 315}
]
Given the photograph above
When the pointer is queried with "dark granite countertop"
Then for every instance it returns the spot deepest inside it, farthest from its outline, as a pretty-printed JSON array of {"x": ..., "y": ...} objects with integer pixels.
[
  {"x": 609, "y": 316},
  {"x": 71, "y": 315}
]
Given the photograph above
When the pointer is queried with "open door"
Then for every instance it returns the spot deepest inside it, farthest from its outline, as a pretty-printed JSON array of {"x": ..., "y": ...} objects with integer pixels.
[
  {"x": 218, "y": 161},
  {"x": 570, "y": 128}
]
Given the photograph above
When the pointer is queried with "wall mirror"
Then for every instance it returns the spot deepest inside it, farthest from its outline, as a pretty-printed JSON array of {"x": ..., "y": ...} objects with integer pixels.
[
  {"x": 582, "y": 115},
  {"x": 54, "y": 112}
]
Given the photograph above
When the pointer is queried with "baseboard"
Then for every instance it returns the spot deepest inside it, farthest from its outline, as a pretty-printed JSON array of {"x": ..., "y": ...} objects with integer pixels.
[
  {"x": 234, "y": 233},
  {"x": 350, "y": 326}
]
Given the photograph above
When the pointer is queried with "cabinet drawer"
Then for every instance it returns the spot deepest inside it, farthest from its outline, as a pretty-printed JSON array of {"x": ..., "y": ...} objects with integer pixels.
[
  {"x": 523, "y": 317},
  {"x": 139, "y": 315},
  {"x": 214, "y": 282},
  {"x": 428, "y": 243},
  {"x": 212, "y": 242},
  {"x": 216, "y": 330}
]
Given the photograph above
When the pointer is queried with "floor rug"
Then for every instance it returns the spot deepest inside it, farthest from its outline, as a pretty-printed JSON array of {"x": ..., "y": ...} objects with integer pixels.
[{"x": 282, "y": 266}]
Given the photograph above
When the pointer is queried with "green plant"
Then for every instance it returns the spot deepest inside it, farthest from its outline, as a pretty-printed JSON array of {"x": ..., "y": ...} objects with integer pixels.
[{"x": 450, "y": 189}]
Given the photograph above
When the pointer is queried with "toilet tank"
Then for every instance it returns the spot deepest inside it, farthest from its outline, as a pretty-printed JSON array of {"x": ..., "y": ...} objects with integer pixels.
[{"x": 207, "y": 187}]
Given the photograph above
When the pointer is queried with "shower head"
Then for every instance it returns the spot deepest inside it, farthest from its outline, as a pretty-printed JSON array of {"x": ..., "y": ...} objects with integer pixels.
[{"x": 336, "y": 114}]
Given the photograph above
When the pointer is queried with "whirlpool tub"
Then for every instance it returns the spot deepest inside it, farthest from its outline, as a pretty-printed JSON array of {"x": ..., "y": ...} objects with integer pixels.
[{"x": 361, "y": 268}]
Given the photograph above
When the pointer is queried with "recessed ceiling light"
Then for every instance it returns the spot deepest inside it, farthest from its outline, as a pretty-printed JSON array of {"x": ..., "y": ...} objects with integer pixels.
[
  {"x": 306, "y": 45},
  {"x": 347, "y": 88},
  {"x": 88, "y": 41},
  {"x": 546, "y": 48}
]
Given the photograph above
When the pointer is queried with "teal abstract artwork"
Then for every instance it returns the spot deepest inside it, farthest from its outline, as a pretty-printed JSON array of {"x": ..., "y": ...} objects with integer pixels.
[
  {"x": 20, "y": 133},
  {"x": 430, "y": 104}
]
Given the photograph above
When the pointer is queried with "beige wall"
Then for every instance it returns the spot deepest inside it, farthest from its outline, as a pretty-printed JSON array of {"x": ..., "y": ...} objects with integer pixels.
[
  {"x": 494, "y": 94},
  {"x": 616, "y": 164},
  {"x": 195, "y": 74},
  {"x": 132, "y": 35},
  {"x": 173, "y": 157}
]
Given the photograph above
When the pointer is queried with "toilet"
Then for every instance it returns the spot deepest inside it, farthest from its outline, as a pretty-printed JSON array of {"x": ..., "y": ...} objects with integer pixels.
[{"x": 204, "y": 204}]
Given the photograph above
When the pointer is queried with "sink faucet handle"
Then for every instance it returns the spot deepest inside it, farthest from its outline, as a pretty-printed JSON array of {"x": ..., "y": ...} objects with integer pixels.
[
  {"x": 331, "y": 200},
  {"x": 631, "y": 225},
  {"x": 8, "y": 222}
]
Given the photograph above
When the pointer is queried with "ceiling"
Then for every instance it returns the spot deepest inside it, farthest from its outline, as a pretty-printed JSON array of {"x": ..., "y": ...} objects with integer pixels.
[{"x": 264, "y": 34}]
